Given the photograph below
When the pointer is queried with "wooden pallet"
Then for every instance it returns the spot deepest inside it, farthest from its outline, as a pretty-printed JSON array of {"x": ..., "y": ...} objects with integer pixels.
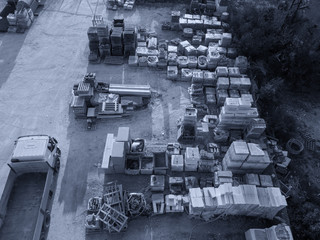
[{"x": 113, "y": 219}]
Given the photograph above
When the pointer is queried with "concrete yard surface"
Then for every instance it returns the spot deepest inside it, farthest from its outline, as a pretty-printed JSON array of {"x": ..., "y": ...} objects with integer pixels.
[{"x": 39, "y": 69}]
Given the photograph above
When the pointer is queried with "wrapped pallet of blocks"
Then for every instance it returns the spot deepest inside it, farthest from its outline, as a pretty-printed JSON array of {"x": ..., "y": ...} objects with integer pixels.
[
  {"x": 182, "y": 46},
  {"x": 172, "y": 72},
  {"x": 174, "y": 203},
  {"x": 172, "y": 59},
  {"x": 190, "y": 51},
  {"x": 225, "y": 40},
  {"x": 182, "y": 61},
  {"x": 177, "y": 163},
  {"x": 209, "y": 79},
  {"x": 188, "y": 32},
  {"x": 210, "y": 95},
  {"x": 202, "y": 50},
  {"x": 223, "y": 83},
  {"x": 196, "y": 204},
  {"x": 202, "y": 62},
  {"x": 197, "y": 77}
]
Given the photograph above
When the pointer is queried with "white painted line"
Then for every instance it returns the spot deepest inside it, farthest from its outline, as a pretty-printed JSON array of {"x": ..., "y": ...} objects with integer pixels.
[{"x": 123, "y": 75}]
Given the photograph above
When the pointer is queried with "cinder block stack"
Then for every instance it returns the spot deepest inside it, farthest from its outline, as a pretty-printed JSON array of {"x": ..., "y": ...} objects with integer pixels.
[
  {"x": 104, "y": 40},
  {"x": 93, "y": 44}
]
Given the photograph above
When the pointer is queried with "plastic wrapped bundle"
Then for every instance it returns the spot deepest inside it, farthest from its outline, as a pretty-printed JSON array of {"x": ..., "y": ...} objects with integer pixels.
[
  {"x": 172, "y": 59},
  {"x": 226, "y": 40},
  {"x": 222, "y": 94},
  {"x": 222, "y": 72},
  {"x": 152, "y": 43},
  {"x": 209, "y": 78},
  {"x": 182, "y": 45},
  {"x": 192, "y": 62},
  {"x": 208, "y": 38},
  {"x": 92, "y": 34},
  {"x": 141, "y": 51},
  {"x": 182, "y": 61},
  {"x": 223, "y": 83},
  {"x": 183, "y": 22},
  {"x": 234, "y": 72},
  {"x": 173, "y": 49},
  {"x": 234, "y": 93},
  {"x": 152, "y": 61},
  {"x": 172, "y": 72},
  {"x": 202, "y": 62},
  {"x": 186, "y": 74},
  {"x": 197, "y": 77}
]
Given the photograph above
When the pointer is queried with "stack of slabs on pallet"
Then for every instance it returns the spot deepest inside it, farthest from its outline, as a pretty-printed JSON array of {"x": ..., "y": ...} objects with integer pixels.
[
  {"x": 196, "y": 203},
  {"x": 236, "y": 113},
  {"x": 242, "y": 157}
]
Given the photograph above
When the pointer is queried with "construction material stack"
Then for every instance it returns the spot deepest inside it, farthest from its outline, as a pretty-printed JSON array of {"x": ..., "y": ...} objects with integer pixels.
[
  {"x": 24, "y": 19},
  {"x": 116, "y": 41},
  {"x": 187, "y": 130},
  {"x": 93, "y": 45},
  {"x": 103, "y": 36},
  {"x": 280, "y": 231},
  {"x": 244, "y": 200},
  {"x": 191, "y": 160},
  {"x": 237, "y": 113},
  {"x": 242, "y": 157},
  {"x": 129, "y": 40}
]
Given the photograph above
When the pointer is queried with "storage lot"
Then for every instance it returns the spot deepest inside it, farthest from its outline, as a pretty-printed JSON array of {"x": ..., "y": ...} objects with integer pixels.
[{"x": 39, "y": 69}]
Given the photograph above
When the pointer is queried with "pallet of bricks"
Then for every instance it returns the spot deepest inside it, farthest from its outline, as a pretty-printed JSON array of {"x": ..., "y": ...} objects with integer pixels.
[{"x": 243, "y": 200}]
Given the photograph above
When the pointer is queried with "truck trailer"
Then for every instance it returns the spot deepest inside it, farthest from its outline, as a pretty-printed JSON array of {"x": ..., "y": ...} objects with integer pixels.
[{"x": 27, "y": 187}]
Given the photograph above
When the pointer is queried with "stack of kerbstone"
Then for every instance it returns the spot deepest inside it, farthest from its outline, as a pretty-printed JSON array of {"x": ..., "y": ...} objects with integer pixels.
[
  {"x": 93, "y": 44},
  {"x": 242, "y": 157},
  {"x": 116, "y": 41},
  {"x": 129, "y": 40}
]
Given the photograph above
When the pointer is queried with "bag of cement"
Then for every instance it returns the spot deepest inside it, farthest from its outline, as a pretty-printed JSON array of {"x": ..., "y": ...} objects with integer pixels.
[
  {"x": 192, "y": 62},
  {"x": 222, "y": 94},
  {"x": 172, "y": 59},
  {"x": 234, "y": 93},
  {"x": 152, "y": 61},
  {"x": 202, "y": 62},
  {"x": 186, "y": 74},
  {"x": 223, "y": 61},
  {"x": 182, "y": 61},
  {"x": 202, "y": 50},
  {"x": 141, "y": 51},
  {"x": 153, "y": 52},
  {"x": 152, "y": 43},
  {"x": 222, "y": 72},
  {"x": 208, "y": 38},
  {"x": 143, "y": 61},
  {"x": 234, "y": 72},
  {"x": 190, "y": 51},
  {"x": 172, "y": 72},
  {"x": 222, "y": 50}
]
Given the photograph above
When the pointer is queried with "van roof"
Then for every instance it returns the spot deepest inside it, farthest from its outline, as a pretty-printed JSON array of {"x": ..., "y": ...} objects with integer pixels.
[{"x": 30, "y": 148}]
